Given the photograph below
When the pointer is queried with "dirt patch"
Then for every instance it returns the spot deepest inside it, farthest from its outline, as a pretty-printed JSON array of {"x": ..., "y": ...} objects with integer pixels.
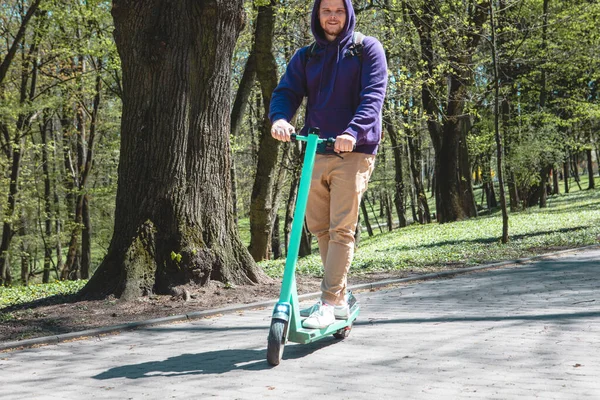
[{"x": 63, "y": 314}]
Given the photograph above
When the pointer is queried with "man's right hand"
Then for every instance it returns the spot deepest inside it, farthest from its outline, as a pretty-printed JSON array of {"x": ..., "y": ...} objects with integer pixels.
[{"x": 281, "y": 130}]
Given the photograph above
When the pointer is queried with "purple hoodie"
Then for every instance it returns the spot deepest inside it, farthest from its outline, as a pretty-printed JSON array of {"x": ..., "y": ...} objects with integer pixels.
[{"x": 343, "y": 95}]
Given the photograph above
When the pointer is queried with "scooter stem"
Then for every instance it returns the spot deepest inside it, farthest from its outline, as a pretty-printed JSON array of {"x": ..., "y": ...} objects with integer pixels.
[{"x": 297, "y": 224}]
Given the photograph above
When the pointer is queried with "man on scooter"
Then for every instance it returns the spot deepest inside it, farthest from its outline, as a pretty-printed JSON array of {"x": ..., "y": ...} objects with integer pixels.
[{"x": 344, "y": 76}]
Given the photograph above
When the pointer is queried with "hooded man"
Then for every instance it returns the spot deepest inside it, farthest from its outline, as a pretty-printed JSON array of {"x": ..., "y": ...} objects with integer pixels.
[{"x": 345, "y": 84}]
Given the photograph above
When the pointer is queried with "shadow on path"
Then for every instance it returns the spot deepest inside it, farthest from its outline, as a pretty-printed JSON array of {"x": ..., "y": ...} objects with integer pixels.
[
  {"x": 559, "y": 318},
  {"x": 211, "y": 362}
]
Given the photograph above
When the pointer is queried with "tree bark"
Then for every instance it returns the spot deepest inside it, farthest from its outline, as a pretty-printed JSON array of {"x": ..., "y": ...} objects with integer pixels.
[
  {"x": 174, "y": 220},
  {"x": 566, "y": 175},
  {"x": 498, "y": 137},
  {"x": 590, "y": 168},
  {"x": 399, "y": 192},
  {"x": 262, "y": 204},
  {"x": 415, "y": 159},
  {"x": 47, "y": 199},
  {"x": 555, "y": 184},
  {"x": 12, "y": 51},
  {"x": 86, "y": 238},
  {"x": 454, "y": 197},
  {"x": 29, "y": 70},
  {"x": 365, "y": 213},
  {"x": 543, "y": 189}
]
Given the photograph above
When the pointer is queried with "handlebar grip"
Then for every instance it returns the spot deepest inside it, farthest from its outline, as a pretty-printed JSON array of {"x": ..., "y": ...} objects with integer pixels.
[{"x": 293, "y": 137}]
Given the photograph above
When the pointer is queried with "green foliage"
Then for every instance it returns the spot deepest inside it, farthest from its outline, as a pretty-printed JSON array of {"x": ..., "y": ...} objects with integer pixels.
[
  {"x": 24, "y": 294},
  {"x": 569, "y": 221}
]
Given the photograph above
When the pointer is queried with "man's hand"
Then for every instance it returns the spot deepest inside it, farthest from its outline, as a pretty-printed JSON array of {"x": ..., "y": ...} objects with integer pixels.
[
  {"x": 344, "y": 143},
  {"x": 281, "y": 130}
]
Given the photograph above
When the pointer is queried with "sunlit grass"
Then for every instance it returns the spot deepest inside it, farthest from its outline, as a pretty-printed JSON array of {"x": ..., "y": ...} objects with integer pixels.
[{"x": 571, "y": 220}]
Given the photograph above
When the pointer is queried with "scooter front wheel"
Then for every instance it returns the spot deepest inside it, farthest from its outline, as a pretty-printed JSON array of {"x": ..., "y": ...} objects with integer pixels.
[{"x": 276, "y": 341}]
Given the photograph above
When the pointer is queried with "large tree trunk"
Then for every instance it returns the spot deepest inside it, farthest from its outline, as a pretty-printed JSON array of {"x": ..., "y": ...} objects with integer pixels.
[
  {"x": 454, "y": 196},
  {"x": 174, "y": 215},
  {"x": 263, "y": 204}
]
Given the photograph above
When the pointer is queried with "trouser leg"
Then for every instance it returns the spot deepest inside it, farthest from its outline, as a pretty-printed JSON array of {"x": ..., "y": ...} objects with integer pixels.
[
  {"x": 346, "y": 180},
  {"x": 317, "y": 210}
]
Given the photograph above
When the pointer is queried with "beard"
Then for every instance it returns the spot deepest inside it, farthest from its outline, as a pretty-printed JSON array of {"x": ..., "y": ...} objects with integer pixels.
[{"x": 333, "y": 30}]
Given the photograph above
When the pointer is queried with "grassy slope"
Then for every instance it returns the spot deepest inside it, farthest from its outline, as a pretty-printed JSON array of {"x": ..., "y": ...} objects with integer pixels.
[{"x": 570, "y": 220}]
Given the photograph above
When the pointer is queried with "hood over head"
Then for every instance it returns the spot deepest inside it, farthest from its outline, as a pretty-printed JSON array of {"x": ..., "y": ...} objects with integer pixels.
[{"x": 317, "y": 30}]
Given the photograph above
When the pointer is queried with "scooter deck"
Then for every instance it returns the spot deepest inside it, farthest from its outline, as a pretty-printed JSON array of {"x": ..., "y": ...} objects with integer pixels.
[{"x": 305, "y": 335}]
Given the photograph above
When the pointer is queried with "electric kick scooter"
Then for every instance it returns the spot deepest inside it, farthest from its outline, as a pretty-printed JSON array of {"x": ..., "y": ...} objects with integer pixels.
[{"x": 286, "y": 323}]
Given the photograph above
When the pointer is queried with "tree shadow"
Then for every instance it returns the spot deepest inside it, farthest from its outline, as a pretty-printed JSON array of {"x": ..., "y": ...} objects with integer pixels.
[
  {"x": 211, "y": 362},
  {"x": 559, "y": 318},
  {"x": 46, "y": 301},
  {"x": 485, "y": 241}
]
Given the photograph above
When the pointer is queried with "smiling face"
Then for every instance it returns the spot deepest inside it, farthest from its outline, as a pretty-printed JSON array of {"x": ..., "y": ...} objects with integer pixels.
[{"x": 332, "y": 15}]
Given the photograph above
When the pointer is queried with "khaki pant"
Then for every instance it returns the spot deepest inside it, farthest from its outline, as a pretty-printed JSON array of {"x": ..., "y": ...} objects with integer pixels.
[{"x": 336, "y": 190}]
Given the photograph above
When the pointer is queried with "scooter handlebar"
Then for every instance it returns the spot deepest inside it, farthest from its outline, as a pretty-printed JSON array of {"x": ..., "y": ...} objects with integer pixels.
[{"x": 301, "y": 138}]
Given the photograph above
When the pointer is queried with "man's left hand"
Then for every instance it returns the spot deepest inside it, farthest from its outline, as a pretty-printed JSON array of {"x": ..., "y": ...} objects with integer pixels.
[{"x": 344, "y": 143}]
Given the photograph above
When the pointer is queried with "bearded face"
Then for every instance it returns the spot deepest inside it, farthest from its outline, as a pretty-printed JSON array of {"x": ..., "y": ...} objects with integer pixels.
[{"x": 332, "y": 16}]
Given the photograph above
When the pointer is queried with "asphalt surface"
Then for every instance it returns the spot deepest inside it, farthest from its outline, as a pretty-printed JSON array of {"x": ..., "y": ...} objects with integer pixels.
[{"x": 527, "y": 331}]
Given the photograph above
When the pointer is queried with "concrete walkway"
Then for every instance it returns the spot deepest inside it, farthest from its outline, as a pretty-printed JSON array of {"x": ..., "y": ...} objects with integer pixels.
[{"x": 526, "y": 332}]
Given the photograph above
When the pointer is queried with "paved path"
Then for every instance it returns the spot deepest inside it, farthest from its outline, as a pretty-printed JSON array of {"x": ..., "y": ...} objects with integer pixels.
[{"x": 525, "y": 332}]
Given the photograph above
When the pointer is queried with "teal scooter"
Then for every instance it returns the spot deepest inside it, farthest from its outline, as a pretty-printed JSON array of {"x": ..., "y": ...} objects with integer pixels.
[{"x": 286, "y": 322}]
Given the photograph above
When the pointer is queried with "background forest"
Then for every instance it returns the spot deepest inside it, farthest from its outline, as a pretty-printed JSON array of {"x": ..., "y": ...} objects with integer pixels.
[{"x": 473, "y": 86}]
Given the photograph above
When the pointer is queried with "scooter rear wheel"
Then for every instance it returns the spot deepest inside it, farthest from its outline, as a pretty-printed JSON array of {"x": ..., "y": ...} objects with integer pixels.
[
  {"x": 343, "y": 333},
  {"x": 275, "y": 342}
]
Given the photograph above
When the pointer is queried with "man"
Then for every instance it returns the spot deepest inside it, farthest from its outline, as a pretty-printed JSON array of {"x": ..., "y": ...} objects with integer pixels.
[{"x": 345, "y": 85}]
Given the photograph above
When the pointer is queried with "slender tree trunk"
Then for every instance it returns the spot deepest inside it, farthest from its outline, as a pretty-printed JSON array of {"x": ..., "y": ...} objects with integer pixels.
[
  {"x": 575, "y": 161},
  {"x": 513, "y": 193},
  {"x": 24, "y": 120},
  {"x": 238, "y": 111},
  {"x": 293, "y": 193},
  {"x": 415, "y": 159},
  {"x": 262, "y": 208},
  {"x": 499, "y": 150},
  {"x": 276, "y": 239},
  {"x": 388, "y": 211},
  {"x": 365, "y": 214},
  {"x": 57, "y": 213},
  {"x": 174, "y": 220},
  {"x": 12, "y": 51},
  {"x": 7, "y": 226},
  {"x": 47, "y": 199},
  {"x": 543, "y": 195},
  {"x": 240, "y": 103},
  {"x": 399, "y": 192},
  {"x": 555, "y": 184},
  {"x": 305, "y": 242},
  {"x": 86, "y": 239},
  {"x": 566, "y": 174},
  {"x": 590, "y": 168}
]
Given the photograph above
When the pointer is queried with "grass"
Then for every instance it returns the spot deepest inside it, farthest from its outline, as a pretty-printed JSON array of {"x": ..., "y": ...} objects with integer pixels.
[
  {"x": 23, "y": 294},
  {"x": 569, "y": 221}
]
